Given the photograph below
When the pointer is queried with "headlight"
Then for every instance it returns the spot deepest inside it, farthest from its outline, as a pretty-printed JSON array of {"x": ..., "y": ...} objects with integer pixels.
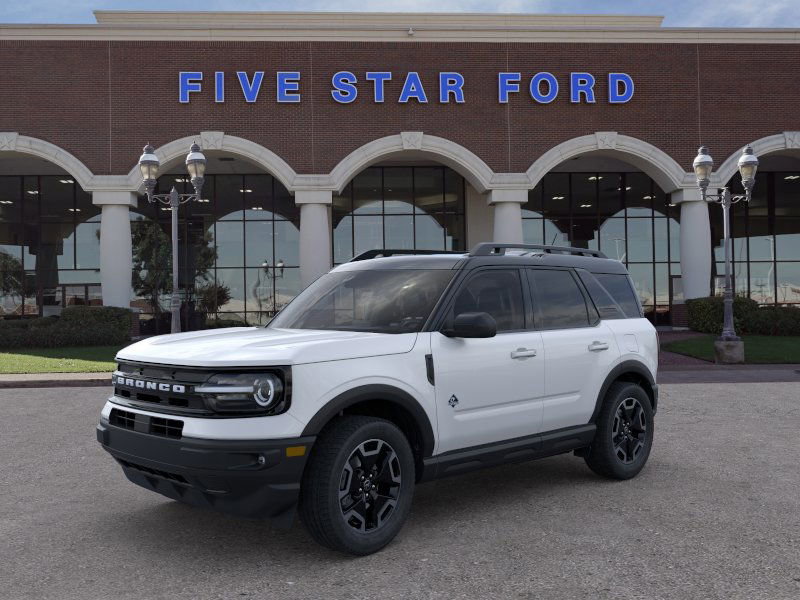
[{"x": 261, "y": 393}]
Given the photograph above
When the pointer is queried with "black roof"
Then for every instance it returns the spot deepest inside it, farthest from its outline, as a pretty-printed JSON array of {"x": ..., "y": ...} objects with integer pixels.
[{"x": 487, "y": 254}]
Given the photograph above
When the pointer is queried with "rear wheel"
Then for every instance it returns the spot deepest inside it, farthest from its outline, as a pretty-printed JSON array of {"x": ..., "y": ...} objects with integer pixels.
[
  {"x": 624, "y": 433},
  {"x": 357, "y": 489}
]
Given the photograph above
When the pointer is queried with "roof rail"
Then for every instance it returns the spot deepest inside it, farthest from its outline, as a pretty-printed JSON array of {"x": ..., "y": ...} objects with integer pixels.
[
  {"x": 367, "y": 255},
  {"x": 489, "y": 248}
]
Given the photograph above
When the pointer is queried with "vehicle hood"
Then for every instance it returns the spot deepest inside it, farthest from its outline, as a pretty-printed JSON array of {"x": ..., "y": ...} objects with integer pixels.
[{"x": 258, "y": 346}]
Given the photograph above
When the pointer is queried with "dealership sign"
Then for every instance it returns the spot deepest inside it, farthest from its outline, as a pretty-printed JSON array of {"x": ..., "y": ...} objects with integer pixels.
[{"x": 346, "y": 87}]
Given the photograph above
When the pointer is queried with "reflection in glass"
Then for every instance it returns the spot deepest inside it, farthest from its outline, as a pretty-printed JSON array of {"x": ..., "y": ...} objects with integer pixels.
[{"x": 788, "y": 277}]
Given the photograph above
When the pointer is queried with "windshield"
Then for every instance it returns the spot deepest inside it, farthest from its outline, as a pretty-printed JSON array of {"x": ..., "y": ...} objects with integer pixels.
[{"x": 392, "y": 301}]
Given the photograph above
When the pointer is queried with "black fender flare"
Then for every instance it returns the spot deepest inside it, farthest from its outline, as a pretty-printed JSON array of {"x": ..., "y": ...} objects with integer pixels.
[
  {"x": 623, "y": 368},
  {"x": 369, "y": 392}
]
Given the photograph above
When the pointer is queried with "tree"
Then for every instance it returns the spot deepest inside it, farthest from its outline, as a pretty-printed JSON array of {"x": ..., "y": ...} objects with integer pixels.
[
  {"x": 152, "y": 261},
  {"x": 12, "y": 278}
]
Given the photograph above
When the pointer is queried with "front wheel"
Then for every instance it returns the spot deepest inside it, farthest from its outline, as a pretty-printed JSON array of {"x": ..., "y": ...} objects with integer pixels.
[
  {"x": 624, "y": 433},
  {"x": 357, "y": 489}
]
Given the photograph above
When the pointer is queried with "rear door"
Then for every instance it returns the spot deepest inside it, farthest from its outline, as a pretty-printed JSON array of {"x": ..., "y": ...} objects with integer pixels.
[
  {"x": 579, "y": 348},
  {"x": 489, "y": 389}
]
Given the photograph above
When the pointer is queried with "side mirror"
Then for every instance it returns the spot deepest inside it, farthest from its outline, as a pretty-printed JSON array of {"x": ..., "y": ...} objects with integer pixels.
[{"x": 472, "y": 325}]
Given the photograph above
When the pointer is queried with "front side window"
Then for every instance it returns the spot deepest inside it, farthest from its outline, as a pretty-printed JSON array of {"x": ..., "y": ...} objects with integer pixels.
[
  {"x": 559, "y": 300},
  {"x": 390, "y": 301},
  {"x": 496, "y": 292}
]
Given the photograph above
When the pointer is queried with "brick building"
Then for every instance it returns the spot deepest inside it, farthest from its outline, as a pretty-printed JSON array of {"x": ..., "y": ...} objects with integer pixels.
[{"x": 330, "y": 134}]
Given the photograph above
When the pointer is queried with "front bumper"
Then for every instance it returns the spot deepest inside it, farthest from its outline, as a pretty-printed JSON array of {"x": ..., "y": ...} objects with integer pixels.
[{"x": 249, "y": 478}]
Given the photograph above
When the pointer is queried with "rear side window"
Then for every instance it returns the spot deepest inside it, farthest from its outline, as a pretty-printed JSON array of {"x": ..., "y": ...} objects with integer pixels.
[
  {"x": 559, "y": 301},
  {"x": 606, "y": 305},
  {"x": 619, "y": 286}
]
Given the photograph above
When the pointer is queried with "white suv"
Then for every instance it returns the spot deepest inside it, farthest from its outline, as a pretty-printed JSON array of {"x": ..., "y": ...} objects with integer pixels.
[{"x": 392, "y": 369}]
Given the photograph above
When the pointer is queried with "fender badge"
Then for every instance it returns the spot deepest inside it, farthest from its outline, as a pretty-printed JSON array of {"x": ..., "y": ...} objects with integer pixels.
[{"x": 453, "y": 401}]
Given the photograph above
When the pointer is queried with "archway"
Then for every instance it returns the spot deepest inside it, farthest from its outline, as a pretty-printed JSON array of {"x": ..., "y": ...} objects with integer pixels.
[
  {"x": 602, "y": 202},
  {"x": 238, "y": 245},
  {"x": 49, "y": 231},
  {"x": 766, "y": 231}
]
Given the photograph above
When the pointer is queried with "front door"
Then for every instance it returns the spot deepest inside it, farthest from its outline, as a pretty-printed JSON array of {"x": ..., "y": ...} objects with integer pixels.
[{"x": 489, "y": 389}]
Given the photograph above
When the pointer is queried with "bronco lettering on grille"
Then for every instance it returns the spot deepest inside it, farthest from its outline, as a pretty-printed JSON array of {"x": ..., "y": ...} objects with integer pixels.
[{"x": 143, "y": 384}]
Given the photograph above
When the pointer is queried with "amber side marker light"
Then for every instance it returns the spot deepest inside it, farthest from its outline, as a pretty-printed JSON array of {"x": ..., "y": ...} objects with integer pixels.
[{"x": 296, "y": 451}]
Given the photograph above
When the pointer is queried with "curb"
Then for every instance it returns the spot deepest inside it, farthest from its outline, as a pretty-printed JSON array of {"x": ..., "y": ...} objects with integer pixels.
[{"x": 55, "y": 383}]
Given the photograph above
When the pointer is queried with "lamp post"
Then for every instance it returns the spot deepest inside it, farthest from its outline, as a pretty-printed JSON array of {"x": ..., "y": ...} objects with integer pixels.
[
  {"x": 703, "y": 165},
  {"x": 196, "y": 165}
]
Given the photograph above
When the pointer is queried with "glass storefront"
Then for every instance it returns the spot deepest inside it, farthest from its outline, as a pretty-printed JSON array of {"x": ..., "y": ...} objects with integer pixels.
[
  {"x": 765, "y": 240},
  {"x": 418, "y": 208},
  {"x": 238, "y": 252},
  {"x": 49, "y": 246},
  {"x": 624, "y": 215}
]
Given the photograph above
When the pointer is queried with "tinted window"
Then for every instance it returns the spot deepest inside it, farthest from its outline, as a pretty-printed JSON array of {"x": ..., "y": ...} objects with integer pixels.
[
  {"x": 391, "y": 301},
  {"x": 606, "y": 305},
  {"x": 559, "y": 300},
  {"x": 619, "y": 287},
  {"x": 497, "y": 292}
]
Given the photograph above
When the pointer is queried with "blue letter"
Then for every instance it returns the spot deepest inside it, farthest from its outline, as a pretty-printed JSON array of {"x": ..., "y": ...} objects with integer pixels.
[
  {"x": 506, "y": 83},
  {"x": 581, "y": 83},
  {"x": 219, "y": 86},
  {"x": 288, "y": 86},
  {"x": 412, "y": 88},
  {"x": 344, "y": 92},
  {"x": 614, "y": 95},
  {"x": 188, "y": 81},
  {"x": 250, "y": 90},
  {"x": 536, "y": 88},
  {"x": 378, "y": 77},
  {"x": 451, "y": 83}
]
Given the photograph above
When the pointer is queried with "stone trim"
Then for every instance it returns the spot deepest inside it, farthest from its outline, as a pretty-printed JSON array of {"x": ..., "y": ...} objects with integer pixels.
[
  {"x": 11, "y": 141},
  {"x": 651, "y": 160},
  {"x": 788, "y": 140},
  {"x": 448, "y": 153}
]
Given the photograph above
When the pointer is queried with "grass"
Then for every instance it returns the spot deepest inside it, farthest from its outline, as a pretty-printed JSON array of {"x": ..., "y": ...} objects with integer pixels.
[
  {"x": 758, "y": 349},
  {"x": 84, "y": 359}
]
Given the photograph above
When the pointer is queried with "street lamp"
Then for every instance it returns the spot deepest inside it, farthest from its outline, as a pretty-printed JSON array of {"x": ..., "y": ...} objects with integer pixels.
[
  {"x": 196, "y": 165},
  {"x": 703, "y": 165}
]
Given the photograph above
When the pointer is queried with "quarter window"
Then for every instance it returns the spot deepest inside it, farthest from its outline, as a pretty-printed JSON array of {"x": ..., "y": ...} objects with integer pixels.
[
  {"x": 559, "y": 299},
  {"x": 619, "y": 287},
  {"x": 496, "y": 292}
]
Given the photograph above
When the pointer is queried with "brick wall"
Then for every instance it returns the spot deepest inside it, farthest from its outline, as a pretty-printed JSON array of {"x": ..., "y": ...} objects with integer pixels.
[{"x": 102, "y": 101}]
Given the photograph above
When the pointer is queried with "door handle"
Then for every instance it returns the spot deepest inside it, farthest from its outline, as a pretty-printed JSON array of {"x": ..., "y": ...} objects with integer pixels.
[
  {"x": 523, "y": 353},
  {"x": 597, "y": 346}
]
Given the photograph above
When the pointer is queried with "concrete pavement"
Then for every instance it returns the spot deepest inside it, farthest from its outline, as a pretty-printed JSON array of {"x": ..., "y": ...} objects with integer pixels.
[{"x": 715, "y": 514}]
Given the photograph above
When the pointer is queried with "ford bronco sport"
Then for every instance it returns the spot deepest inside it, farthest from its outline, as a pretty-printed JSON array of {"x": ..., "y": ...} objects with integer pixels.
[{"x": 396, "y": 368}]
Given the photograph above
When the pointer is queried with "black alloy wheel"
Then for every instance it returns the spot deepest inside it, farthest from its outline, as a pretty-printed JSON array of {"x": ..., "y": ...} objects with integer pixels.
[
  {"x": 358, "y": 485},
  {"x": 624, "y": 433},
  {"x": 370, "y": 485},
  {"x": 629, "y": 432}
]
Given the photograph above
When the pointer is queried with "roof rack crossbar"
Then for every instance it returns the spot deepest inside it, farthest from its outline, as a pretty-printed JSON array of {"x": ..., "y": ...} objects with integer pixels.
[
  {"x": 489, "y": 248},
  {"x": 369, "y": 254}
]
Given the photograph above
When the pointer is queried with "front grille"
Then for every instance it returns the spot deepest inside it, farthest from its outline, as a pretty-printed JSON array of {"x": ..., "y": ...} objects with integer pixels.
[
  {"x": 157, "y": 472},
  {"x": 122, "y": 418},
  {"x": 145, "y": 384},
  {"x": 169, "y": 428}
]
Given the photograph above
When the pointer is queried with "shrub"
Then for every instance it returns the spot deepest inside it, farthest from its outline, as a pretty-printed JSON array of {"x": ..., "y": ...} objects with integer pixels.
[
  {"x": 706, "y": 315},
  {"x": 220, "y": 323},
  {"x": 77, "y": 326}
]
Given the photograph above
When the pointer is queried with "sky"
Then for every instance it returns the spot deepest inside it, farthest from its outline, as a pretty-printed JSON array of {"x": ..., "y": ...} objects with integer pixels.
[{"x": 678, "y": 13}]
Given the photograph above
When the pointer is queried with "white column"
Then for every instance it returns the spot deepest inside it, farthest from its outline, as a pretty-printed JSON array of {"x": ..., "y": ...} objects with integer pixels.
[
  {"x": 508, "y": 214},
  {"x": 315, "y": 233},
  {"x": 116, "y": 256},
  {"x": 695, "y": 243}
]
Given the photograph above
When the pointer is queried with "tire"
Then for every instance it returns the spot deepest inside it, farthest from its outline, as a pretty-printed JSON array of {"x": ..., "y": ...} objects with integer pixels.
[
  {"x": 624, "y": 433},
  {"x": 367, "y": 513}
]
